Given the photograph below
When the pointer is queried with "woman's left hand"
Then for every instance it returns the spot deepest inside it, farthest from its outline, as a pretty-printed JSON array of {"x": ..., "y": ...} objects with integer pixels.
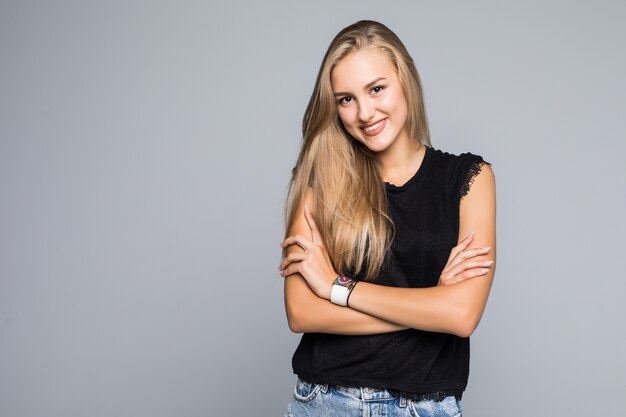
[{"x": 313, "y": 264}]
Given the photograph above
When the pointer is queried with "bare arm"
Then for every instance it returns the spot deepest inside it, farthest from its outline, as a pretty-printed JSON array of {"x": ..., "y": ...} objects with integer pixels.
[
  {"x": 307, "y": 313},
  {"x": 455, "y": 309}
]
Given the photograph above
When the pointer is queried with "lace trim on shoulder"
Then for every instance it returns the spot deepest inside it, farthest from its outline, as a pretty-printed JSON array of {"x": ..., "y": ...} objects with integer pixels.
[{"x": 474, "y": 168}]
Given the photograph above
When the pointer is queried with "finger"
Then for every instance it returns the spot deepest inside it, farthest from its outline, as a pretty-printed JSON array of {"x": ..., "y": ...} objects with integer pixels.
[
  {"x": 469, "y": 265},
  {"x": 464, "y": 255},
  {"x": 291, "y": 269},
  {"x": 470, "y": 253},
  {"x": 317, "y": 236},
  {"x": 472, "y": 273},
  {"x": 451, "y": 281},
  {"x": 464, "y": 276},
  {"x": 300, "y": 240},
  {"x": 461, "y": 246},
  {"x": 292, "y": 257}
]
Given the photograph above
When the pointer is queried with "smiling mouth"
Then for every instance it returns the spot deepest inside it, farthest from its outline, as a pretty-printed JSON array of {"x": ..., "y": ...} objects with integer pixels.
[{"x": 375, "y": 129}]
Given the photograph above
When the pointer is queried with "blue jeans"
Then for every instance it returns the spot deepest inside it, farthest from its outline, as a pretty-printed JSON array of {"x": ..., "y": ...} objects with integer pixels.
[{"x": 317, "y": 400}]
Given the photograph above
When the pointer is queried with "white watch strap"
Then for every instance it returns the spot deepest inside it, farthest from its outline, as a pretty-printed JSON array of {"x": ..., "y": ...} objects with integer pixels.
[{"x": 339, "y": 295}]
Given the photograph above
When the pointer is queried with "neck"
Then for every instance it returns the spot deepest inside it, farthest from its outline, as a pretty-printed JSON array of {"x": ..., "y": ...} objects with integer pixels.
[{"x": 399, "y": 164}]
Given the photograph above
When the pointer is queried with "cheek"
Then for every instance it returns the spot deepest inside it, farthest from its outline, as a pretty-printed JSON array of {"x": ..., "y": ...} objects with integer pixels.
[
  {"x": 346, "y": 115},
  {"x": 395, "y": 104}
]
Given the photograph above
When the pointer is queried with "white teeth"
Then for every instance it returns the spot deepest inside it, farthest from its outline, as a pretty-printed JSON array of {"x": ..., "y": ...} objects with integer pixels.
[{"x": 373, "y": 127}]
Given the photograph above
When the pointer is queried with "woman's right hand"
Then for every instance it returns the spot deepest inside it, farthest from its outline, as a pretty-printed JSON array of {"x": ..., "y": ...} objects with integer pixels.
[{"x": 460, "y": 264}]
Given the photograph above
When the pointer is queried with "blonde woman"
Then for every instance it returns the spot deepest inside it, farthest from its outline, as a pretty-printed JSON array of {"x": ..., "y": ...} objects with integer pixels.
[{"x": 389, "y": 252}]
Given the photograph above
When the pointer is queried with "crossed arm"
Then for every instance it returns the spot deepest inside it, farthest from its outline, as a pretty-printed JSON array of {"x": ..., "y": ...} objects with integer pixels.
[{"x": 455, "y": 309}]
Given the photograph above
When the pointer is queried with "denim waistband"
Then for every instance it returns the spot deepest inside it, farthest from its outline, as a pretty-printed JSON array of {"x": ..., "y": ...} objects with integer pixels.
[
  {"x": 374, "y": 394},
  {"x": 367, "y": 393}
]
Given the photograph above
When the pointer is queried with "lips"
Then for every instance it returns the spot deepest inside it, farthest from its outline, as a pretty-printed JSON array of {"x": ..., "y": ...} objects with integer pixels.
[{"x": 375, "y": 129}]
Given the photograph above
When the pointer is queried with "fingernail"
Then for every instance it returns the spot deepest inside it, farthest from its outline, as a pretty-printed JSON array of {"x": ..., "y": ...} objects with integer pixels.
[
  {"x": 487, "y": 262},
  {"x": 484, "y": 271},
  {"x": 487, "y": 247},
  {"x": 306, "y": 208}
]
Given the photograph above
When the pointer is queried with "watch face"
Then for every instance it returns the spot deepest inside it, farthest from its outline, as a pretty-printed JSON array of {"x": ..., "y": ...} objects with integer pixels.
[{"x": 343, "y": 280}]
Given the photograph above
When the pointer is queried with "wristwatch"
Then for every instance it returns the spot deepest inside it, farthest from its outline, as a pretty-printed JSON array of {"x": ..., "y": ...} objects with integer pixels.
[{"x": 341, "y": 289}]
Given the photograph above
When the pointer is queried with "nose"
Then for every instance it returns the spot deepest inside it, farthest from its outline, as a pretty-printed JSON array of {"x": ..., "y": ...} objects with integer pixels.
[{"x": 366, "y": 111}]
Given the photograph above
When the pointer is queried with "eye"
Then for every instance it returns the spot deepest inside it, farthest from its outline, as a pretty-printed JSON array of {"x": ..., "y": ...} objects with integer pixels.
[
  {"x": 377, "y": 88},
  {"x": 344, "y": 100}
]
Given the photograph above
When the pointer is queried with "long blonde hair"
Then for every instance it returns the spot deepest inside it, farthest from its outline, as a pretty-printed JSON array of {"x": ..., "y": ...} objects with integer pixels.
[{"x": 350, "y": 203}]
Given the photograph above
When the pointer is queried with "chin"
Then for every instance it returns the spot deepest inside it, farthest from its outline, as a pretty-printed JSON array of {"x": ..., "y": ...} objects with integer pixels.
[
  {"x": 377, "y": 149},
  {"x": 375, "y": 145}
]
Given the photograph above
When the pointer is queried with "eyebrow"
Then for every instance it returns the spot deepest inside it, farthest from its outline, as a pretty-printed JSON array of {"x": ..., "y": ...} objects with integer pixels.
[{"x": 371, "y": 83}]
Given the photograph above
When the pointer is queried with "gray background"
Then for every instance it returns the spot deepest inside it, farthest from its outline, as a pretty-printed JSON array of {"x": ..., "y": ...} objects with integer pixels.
[{"x": 145, "y": 149}]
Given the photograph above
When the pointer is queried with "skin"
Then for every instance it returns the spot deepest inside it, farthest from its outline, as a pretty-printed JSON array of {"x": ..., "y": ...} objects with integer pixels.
[
  {"x": 457, "y": 303},
  {"x": 367, "y": 90}
]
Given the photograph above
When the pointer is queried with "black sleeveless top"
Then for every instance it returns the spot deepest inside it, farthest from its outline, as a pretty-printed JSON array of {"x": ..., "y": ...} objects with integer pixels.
[{"x": 416, "y": 363}]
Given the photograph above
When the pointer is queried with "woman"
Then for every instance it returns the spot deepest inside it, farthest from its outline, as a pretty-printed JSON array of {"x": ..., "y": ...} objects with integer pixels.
[{"x": 374, "y": 278}]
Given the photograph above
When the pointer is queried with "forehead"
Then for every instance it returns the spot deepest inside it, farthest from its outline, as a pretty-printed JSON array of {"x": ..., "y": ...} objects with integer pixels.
[{"x": 358, "y": 68}]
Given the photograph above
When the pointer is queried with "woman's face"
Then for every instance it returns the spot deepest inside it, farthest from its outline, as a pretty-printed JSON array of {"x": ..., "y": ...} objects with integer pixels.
[{"x": 370, "y": 99}]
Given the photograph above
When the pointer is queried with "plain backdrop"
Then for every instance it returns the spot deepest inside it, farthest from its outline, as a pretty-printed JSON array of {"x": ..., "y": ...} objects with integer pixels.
[{"x": 145, "y": 151}]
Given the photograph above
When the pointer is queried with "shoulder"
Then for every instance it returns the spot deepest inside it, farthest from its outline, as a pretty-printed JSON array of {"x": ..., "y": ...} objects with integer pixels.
[
  {"x": 453, "y": 161},
  {"x": 459, "y": 171}
]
